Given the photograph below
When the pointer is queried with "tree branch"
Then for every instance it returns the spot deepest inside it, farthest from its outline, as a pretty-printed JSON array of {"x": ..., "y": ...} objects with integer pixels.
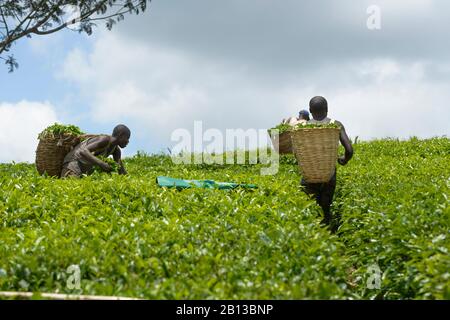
[
  {"x": 22, "y": 18},
  {"x": 86, "y": 15},
  {"x": 4, "y": 20},
  {"x": 11, "y": 38}
]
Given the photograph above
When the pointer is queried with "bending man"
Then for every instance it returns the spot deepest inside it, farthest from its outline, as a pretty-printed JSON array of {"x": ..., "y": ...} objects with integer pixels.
[{"x": 82, "y": 159}]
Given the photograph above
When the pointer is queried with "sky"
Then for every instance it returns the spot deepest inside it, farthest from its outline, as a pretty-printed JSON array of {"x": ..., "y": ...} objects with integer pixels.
[{"x": 235, "y": 64}]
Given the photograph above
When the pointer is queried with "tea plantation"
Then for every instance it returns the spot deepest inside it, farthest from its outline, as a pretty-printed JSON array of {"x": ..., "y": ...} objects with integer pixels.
[{"x": 131, "y": 238}]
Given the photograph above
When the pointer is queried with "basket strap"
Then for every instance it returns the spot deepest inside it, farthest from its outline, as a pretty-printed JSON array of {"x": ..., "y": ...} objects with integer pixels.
[{"x": 63, "y": 139}]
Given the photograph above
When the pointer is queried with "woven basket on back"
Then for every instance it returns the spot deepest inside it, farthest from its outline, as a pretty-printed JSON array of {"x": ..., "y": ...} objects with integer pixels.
[
  {"x": 51, "y": 151},
  {"x": 316, "y": 150},
  {"x": 283, "y": 144}
]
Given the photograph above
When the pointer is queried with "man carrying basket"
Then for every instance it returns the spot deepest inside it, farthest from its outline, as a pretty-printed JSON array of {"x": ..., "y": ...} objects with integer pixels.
[
  {"x": 84, "y": 156},
  {"x": 303, "y": 117},
  {"x": 324, "y": 192}
]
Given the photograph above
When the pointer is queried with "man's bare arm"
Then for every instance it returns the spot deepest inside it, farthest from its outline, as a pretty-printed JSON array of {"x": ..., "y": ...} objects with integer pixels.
[
  {"x": 345, "y": 141},
  {"x": 88, "y": 155},
  {"x": 117, "y": 155}
]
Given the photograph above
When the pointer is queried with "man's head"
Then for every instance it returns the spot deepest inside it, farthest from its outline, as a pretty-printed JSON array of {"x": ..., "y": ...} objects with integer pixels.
[
  {"x": 318, "y": 106},
  {"x": 303, "y": 115},
  {"x": 122, "y": 134}
]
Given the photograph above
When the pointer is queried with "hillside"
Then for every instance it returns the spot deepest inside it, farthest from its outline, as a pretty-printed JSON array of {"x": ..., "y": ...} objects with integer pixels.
[{"x": 130, "y": 237}]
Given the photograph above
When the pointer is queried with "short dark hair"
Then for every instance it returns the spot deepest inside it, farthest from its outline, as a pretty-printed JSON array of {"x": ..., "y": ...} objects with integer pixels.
[
  {"x": 121, "y": 129},
  {"x": 304, "y": 114},
  {"x": 318, "y": 105}
]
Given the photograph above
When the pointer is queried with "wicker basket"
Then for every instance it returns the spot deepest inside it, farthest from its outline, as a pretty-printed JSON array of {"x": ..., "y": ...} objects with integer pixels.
[
  {"x": 316, "y": 150},
  {"x": 282, "y": 143},
  {"x": 51, "y": 151}
]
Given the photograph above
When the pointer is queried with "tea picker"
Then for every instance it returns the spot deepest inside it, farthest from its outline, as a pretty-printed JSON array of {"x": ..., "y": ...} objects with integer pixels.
[
  {"x": 316, "y": 148},
  {"x": 85, "y": 156},
  {"x": 65, "y": 151},
  {"x": 303, "y": 117},
  {"x": 281, "y": 138}
]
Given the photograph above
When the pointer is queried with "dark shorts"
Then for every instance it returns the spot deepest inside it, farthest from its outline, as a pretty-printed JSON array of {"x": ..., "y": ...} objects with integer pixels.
[
  {"x": 325, "y": 187},
  {"x": 322, "y": 192},
  {"x": 75, "y": 169}
]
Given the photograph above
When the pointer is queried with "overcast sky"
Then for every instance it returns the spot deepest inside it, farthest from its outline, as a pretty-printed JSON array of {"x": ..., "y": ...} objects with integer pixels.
[{"x": 235, "y": 64}]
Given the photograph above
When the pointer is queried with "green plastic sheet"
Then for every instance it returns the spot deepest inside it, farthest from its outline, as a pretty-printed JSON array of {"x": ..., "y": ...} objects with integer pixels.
[{"x": 205, "y": 184}]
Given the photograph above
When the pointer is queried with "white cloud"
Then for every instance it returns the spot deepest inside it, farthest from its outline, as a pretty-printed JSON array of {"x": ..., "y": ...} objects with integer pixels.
[
  {"x": 379, "y": 69},
  {"x": 398, "y": 110},
  {"x": 381, "y": 98},
  {"x": 21, "y": 123},
  {"x": 75, "y": 67},
  {"x": 44, "y": 46},
  {"x": 159, "y": 89},
  {"x": 406, "y": 6}
]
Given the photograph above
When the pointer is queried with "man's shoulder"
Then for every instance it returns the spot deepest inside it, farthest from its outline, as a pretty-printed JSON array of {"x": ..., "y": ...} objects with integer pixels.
[
  {"x": 101, "y": 136},
  {"x": 338, "y": 123},
  {"x": 101, "y": 139}
]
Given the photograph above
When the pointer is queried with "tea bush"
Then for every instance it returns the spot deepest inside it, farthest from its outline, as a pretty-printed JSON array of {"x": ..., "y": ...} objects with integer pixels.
[{"x": 130, "y": 237}]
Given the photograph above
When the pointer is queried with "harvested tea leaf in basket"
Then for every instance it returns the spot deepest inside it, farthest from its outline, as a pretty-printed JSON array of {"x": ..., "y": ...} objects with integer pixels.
[
  {"x": 317, "y": 125},
  {"x": 57, "y": 130},
  {"x": 281, "y": 140},
  {"x": 282, "y": 127},
  {"x": 55, "y": 142},
  {"x": 316, "y": 149}
]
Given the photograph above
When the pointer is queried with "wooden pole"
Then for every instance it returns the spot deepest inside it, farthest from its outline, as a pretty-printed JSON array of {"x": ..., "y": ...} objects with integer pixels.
[{"x": 58, "y": 296}]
